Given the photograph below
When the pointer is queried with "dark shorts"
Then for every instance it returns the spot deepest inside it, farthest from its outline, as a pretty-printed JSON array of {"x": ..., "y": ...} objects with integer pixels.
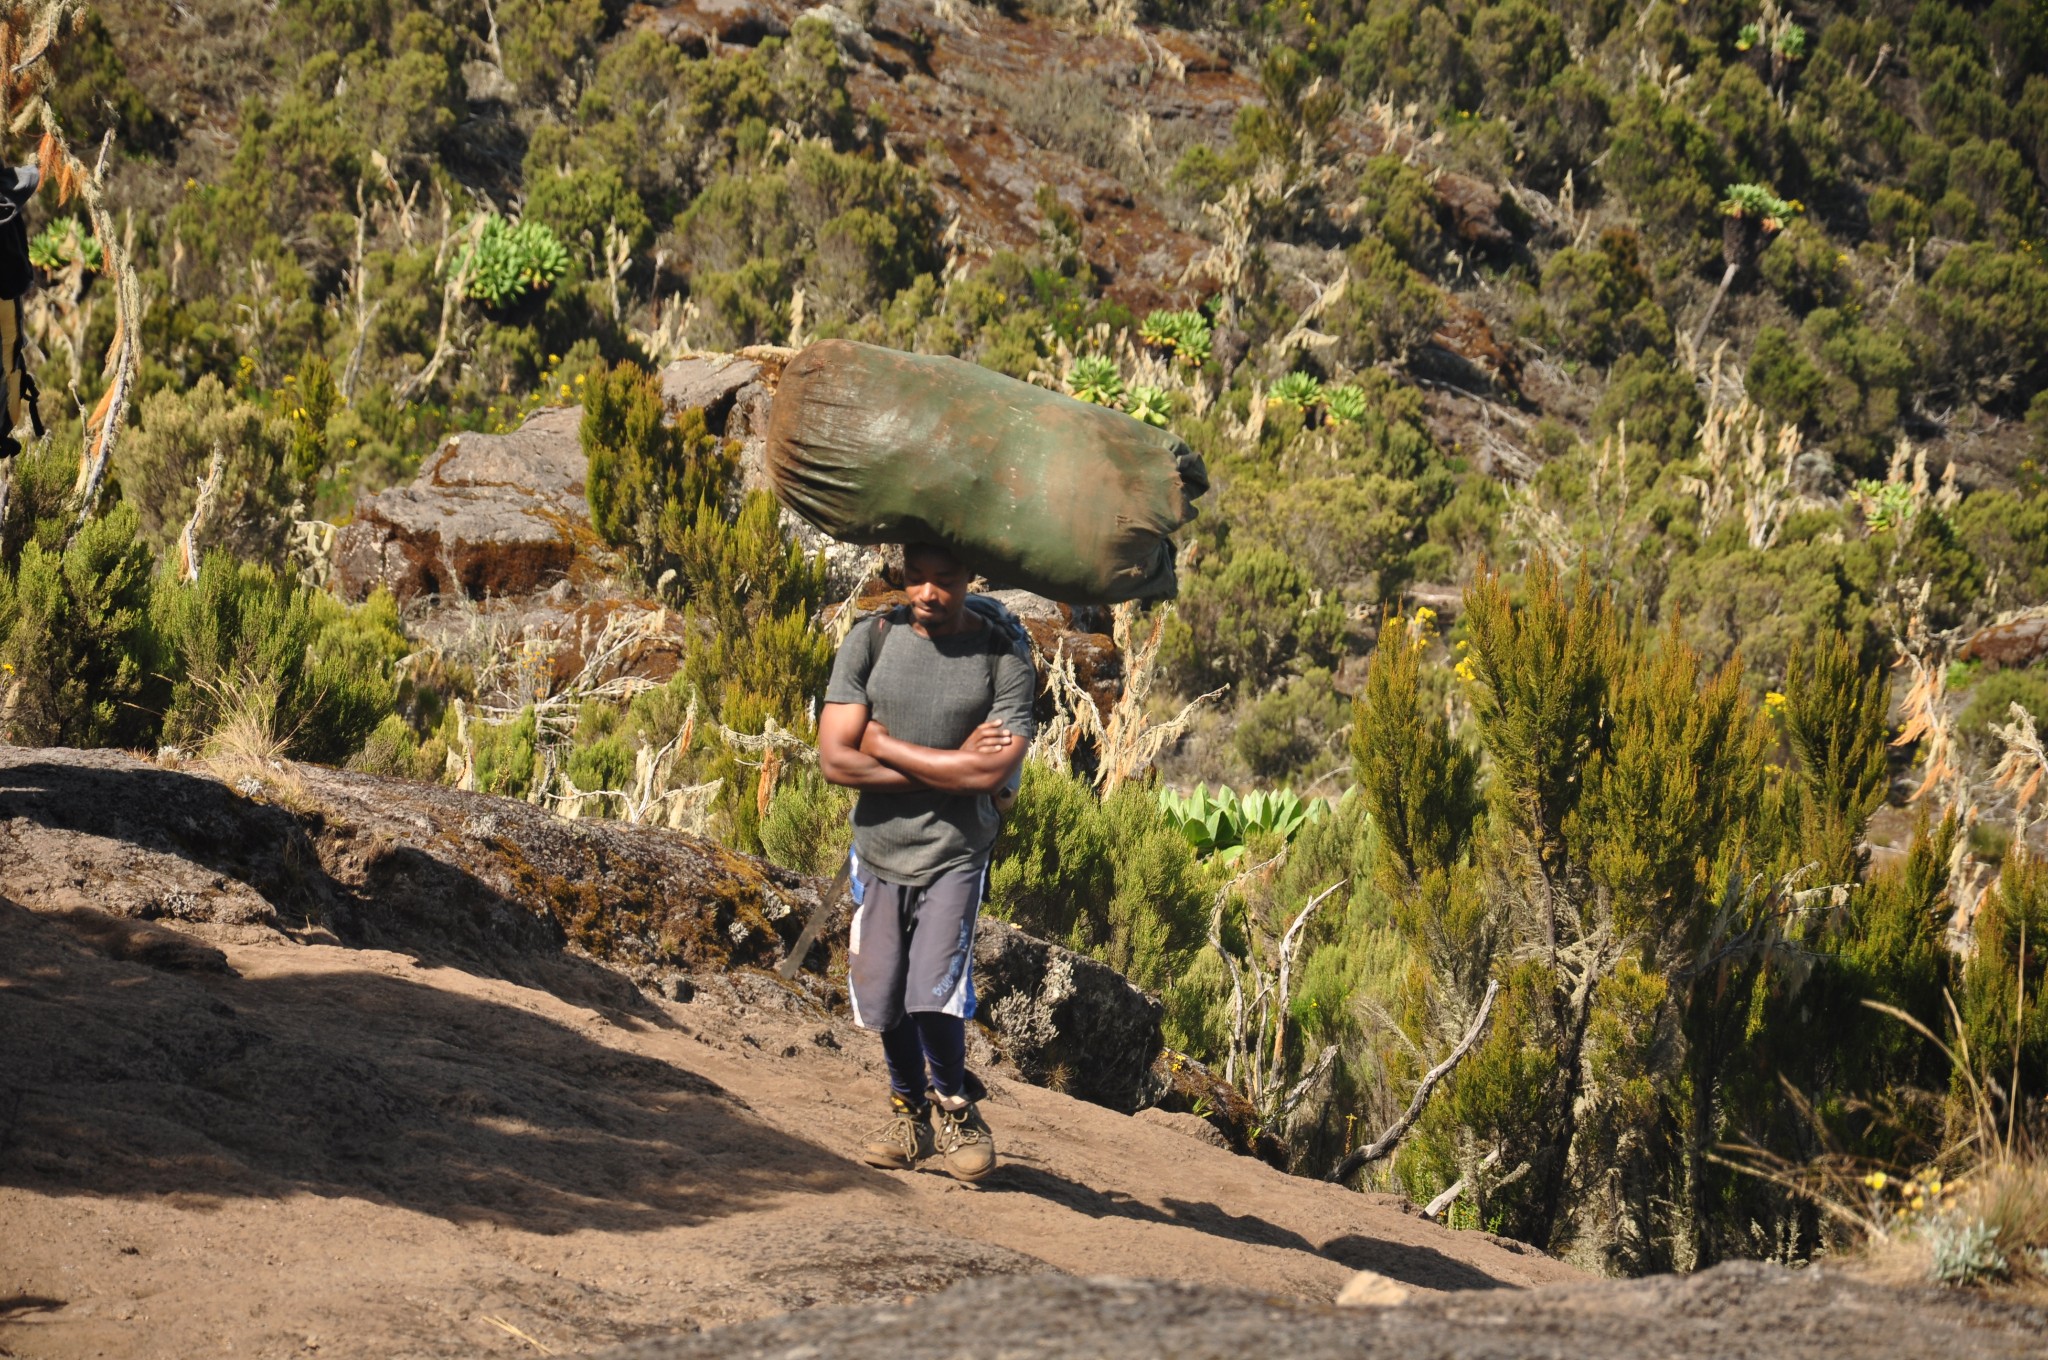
[{"x": 912, "y": 949}]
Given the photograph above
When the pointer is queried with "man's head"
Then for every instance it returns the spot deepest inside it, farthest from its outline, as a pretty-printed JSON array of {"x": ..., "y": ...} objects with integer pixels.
[{"x": 935, "y": 579}]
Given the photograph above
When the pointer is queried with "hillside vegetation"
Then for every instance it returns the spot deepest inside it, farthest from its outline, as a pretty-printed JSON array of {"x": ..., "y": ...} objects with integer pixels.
[{"x": 1620, "y": 416}]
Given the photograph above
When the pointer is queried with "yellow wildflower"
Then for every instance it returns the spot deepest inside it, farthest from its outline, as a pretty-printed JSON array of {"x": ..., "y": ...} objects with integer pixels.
[
  {"x": 1775, "y": 701},
  {"x": 1877, "y": 1180}
]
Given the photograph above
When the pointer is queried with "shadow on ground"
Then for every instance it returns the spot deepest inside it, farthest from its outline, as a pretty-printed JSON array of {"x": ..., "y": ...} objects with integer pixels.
[
  {"x": 1411, "y": 1264},
  {"x": 137, "y": 1082}
]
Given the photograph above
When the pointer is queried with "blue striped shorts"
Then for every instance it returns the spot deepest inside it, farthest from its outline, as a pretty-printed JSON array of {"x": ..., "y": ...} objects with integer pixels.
[{"x": 912, "y": 949}]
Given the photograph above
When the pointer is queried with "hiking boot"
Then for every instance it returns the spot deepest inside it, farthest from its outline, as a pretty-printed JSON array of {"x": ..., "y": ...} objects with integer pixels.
[
  {"x": 907, "y": 1136},
  {"x": 962, "y": 1137}
]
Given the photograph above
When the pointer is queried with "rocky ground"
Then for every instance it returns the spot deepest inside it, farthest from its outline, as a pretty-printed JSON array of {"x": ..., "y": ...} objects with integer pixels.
[
  {"x": 1743, "y": 1311},
  {"x": 306, "y": 1063}
]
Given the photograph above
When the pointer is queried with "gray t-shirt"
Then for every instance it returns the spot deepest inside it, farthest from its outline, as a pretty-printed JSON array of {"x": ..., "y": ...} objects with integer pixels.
[{"x": 933, "y": 692}]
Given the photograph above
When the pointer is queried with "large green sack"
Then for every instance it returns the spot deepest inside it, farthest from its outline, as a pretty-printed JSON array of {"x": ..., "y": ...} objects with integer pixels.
[{"x": 1031, "y": 488}]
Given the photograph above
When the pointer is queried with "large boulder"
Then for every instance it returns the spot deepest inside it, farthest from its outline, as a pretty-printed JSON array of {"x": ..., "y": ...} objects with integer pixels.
[
  {"x": 1065, "y": 1020},
  {"x": 2017, "y": 641},
  {"x": 496, "y": 516},
  {"x": 488, "y": 516}
]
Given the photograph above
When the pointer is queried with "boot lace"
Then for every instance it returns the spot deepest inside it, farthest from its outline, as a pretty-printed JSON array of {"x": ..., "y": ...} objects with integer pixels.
[
  {"x": 960, "y": 1128},
  {"x": 901, "y": 1131}
]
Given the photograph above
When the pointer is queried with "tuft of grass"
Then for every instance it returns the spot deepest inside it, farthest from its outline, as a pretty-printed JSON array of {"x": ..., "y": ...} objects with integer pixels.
[
  {"x": 2010, "y": 1199},
  {"x": 247, "y": 730},
  {"x": 247, "y": 744}
]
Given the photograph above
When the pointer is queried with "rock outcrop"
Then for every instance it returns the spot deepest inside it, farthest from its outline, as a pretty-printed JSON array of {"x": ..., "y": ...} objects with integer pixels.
[
  {"x": 490, "y": 883},
  {"x": 1065, "y": 1020},
  {"x": 2017, "y": 641},
  {"x": 488, "y": 516}
]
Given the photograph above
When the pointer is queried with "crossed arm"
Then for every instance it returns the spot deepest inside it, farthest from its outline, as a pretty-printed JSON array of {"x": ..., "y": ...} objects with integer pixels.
[{"x": 858, "y": 752}]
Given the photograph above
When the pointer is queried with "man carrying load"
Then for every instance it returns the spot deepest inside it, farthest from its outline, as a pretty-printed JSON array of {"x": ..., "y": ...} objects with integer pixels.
[{"x": 928, "y": 714}]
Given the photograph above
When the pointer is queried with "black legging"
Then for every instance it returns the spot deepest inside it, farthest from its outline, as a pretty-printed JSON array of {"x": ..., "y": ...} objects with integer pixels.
[{"x": 921, "y": 1039}]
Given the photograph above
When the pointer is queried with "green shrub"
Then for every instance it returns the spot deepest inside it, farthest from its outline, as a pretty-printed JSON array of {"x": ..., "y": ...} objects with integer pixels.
[
  {"x": 1660, "y": 404},
  {"x": 1986, "y": 314},
  {"x": 1897, "y": 217},
  {"x": 2004, "y": 1034},
  {"x": 159, "y": 465},
  {"x": 1564, "y": 129},
  {"x": 2008, "y": 533},
  {"x": 1387, "y": 309},
  {"x": 241, "y": 631},
  {"x": 1108, "y": 877},
  {"x": 1410, "y": 52},
  {"x": 543, "y": 40},
  {"x": 1400, "y": 201},
  {"x": 1517, "y": 47},
  {"x": 1803, "y": 267},
  {"x": 76, "y": 651},
  {"x": 1249, "y": 619},
  {"x": 394, "y": 750},
  {"x": 504, "y": 753},
  {"x": 647, "y": 477},
  {"x": 1991, "y": 700},
  {"x": 1665, "y": 165},
  {"x": 1601, "y": 299},
  {"x": 809, "y": 823}
]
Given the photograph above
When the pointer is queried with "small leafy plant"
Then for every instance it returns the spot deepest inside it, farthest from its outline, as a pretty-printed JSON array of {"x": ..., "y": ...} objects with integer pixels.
[
  {"x": 1147, "y": 404},
  {"x": 507, "y": 261},
  {"x": 1094, "y": 379},
  {"x": 1758, "y": 203},
  {"x": 1221, "y": 824},
  {"x": 1965, "y": 1251},
  {"x": 1299, "y": 389},
  {"x": 1345, "y": 404},
  {"x": 64, "y": 243},
  {"x": 1185, "y": 333},
  {"x": 1790, "y": 43},
  {"x": 1886, "y": 505}
]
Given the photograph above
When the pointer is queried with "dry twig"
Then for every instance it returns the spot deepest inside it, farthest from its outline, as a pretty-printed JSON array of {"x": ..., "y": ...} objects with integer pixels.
[{"x": 1386, "y": 1142}]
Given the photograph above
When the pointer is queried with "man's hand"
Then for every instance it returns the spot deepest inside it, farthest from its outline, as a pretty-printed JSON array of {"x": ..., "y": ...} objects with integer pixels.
[
  {"x": 981, "y": 764},
  {"x": 988, "y": 738}
]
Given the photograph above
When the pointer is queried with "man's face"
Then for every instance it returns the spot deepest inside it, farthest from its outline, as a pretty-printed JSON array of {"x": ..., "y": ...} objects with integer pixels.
[{"x": 937, "y": 587}]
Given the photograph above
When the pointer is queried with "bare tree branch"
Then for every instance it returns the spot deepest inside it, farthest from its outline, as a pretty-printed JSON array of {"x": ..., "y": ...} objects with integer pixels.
[{"x": 1386, "y": 1142}]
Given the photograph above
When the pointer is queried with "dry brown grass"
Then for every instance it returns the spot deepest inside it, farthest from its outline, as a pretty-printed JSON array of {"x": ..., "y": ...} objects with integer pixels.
[
  {"x": 2012, "y": 1198},
  {"x": 247, "y": 744}
]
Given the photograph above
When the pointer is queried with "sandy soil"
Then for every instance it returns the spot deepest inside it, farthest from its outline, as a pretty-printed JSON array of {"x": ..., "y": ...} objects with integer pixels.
[{"x": 289, "y": 1148}]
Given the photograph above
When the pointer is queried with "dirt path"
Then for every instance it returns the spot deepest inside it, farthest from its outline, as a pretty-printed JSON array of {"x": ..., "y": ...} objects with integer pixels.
[{"x": 317, "y": 1150}]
